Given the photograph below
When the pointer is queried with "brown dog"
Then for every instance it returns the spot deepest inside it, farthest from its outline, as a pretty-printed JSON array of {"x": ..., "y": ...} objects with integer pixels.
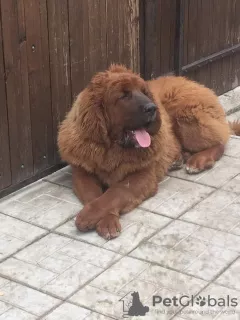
[{"x": 124, "y": 134}]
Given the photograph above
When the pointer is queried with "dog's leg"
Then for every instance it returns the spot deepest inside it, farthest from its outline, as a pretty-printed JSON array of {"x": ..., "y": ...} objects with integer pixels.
[
  {"x": 103, "y": 213},
  {"x": 85, "y": 186},
  {"x": 204, "y": 160}
]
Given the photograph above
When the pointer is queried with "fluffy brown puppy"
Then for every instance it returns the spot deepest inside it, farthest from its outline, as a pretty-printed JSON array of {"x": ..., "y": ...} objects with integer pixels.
[{"x": 123, "y": 134}]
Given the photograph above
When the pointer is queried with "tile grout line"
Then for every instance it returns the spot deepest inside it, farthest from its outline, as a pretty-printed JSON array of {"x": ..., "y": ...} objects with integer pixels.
[{"x": 213, "y": 282}]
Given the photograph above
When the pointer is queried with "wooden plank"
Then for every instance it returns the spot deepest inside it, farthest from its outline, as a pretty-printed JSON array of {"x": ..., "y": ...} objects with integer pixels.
[
  {"x": 39, "y": 83},
  {"x": 214, "y": 67},
  {"x": 59, "y": 64},
  {"x": 78, "y": 45},
  {"x": 152, "y": 38},
  {"x": 5, "y": 166},
  {"x": 168, "y": 33},
  {"x": 186, "y": 27},
  {"x": 203, "y": 40},
  {"x": 227, "y": 18},
  {"x": 97, "y": 30},
  {"x": 17, "y": 89},
  {"x": 132, "y": 32},
  {"x": 192, "y": 31},
  {"x": 160, "y": 32}
]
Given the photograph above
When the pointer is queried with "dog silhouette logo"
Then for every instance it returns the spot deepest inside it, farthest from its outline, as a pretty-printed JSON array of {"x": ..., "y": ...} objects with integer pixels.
[{"x": 134, "y": 306}]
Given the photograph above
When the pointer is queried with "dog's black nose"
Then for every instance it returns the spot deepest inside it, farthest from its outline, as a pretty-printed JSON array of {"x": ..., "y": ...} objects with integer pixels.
[{"x": 150, "y": 108}]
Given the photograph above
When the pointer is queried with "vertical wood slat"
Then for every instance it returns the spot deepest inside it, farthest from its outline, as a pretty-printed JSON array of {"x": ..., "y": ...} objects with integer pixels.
[
  {"x": 39, "y": 83},
  {"x": 77, "y": 45},
  {"x": 97, "y": 30},
  {"x": 159, "y": 39},
  {"x": 5, "y": 166},
  {"x": 102, "y": 32},
  {"x": 202, "y": 41},
  {"x": 152, "y": 38},
  {"x": 15, "y": 57},
  {"x": 59, "y": 64}
]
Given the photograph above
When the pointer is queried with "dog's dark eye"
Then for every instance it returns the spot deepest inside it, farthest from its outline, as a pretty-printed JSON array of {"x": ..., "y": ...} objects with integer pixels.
[{"x": 126, "y": 94}]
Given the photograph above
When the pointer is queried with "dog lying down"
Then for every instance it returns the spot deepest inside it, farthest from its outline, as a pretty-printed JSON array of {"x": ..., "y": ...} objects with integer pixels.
[{"x": 123, "y": 134}]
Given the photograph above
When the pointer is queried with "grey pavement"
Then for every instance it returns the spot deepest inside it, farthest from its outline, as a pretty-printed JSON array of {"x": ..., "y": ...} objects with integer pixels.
[{"x": 185, "y": 241}]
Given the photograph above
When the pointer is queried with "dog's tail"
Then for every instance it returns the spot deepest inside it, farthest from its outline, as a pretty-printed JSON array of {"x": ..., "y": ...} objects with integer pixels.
[{"x": 235, "y": 127}]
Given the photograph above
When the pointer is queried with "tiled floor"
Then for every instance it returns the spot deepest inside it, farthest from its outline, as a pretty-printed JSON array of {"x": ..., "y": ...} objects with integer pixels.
[{"x": 184, "y": 242}]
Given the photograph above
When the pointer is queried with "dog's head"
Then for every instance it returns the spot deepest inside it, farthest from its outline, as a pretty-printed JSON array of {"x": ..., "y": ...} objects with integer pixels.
[{"x": 117, "y": 106}]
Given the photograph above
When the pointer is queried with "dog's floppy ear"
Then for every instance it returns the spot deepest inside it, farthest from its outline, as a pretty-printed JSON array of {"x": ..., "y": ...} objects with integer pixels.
[{"x": 90, "y": 117}]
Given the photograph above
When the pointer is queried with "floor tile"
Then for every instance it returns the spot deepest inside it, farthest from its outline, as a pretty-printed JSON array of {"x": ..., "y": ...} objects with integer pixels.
[
  {"x": 25, "y": 272},
  {"x": 230, "y": 278},
  {"x": 89, "y": 254},
  {"x": 18, "y": 229},
  {"x": 17, "y": 209},
  {"x": 186, "y": 247},
  {"x": 233, "y": 185},
  {"x": 56, "y": 215},
  {"x": 233, "y": 147},
  {"x": 16, "y": 234},
  {"x": 30, "y": 300},
  {"x": 176, "y": 196},
  {"x": 166, "y": 257},
  {"x": 220, "y": 211},
  {"x": 48, "y": 216},
  {"x": 4, "y": 306},
  {"x": 57, "y": 262},
  {"x": 113, "y": 279},
  {"x": 43, "y": 248},
  {"x": 62, "y": 178},
  {"x": 210, "y": 263},
  {"x": 39, "y": 188},
  {"x": 146, "y": 218},
  {"x": 72, "y": 279},
  {"x": 98, "y": 300},
  {"x": 17, "y": 314},
  {"x": 96, "y": 316},
  {"x": 68, "y": 311},
  {"x": 44, "y": 202},
  {"x": 235, "y": 230}
]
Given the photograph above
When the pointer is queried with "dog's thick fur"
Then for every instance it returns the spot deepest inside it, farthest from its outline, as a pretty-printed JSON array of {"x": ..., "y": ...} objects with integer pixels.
[{"x": 191, "y": 121}]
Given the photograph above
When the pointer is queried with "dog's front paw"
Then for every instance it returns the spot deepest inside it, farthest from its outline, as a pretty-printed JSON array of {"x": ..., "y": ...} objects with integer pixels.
[
  {"x": 109, "y": 227},
  {"x": 88, "y": 217}
]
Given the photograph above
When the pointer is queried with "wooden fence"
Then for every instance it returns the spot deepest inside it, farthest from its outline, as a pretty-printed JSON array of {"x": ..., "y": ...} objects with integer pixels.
[
  {"x": 199, "y": 39},
  {"x": 49, "y": 49}
]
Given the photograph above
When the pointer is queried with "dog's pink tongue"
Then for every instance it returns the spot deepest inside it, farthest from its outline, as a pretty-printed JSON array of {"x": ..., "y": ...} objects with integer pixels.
[{"x": 143, "y": 138}]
